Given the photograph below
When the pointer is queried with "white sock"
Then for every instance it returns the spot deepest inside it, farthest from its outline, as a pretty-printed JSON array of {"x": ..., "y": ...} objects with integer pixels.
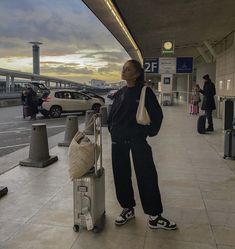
[{"x": 153, "y": 217}]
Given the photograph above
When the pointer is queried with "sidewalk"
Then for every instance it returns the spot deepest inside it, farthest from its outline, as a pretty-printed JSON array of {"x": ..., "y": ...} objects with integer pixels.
[{"x": 197, "y": 186}]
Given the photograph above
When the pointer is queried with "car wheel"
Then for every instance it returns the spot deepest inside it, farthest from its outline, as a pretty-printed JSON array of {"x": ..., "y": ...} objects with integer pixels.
[
  {"x": 55, "y": 111},
  {"x": 96, "y": 108}
]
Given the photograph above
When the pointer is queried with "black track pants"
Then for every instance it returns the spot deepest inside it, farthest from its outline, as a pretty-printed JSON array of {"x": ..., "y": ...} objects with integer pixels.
[
  {"x": 209, "y": 118},
  {"x": 146, "y": 174}
]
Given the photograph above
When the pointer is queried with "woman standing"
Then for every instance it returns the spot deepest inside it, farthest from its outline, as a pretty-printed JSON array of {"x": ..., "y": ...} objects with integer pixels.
[
  {"x": 208, "y": 103},
  {"x": 128, "y": 136}
]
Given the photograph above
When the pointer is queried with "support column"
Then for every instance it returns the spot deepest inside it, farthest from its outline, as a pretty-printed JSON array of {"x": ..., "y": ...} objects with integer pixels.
[
  {"x": 204, "y": 56},
  {"x": 212, "y": 51},
  {"x": 166, "y": 83},
  {"x": 7, "y": 83},
  {"x": 12, "y": 87},
  {"x": 36, "y": 57},
  {"x": 47, "y": 83}
]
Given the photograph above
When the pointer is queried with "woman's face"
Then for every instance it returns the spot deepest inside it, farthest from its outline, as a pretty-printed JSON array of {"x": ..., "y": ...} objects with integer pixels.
[{"x": 129, "y": 72}]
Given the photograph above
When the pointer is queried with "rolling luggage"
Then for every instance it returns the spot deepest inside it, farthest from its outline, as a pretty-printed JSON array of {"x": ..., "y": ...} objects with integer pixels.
[
  {"x": 228, "y": 114},
  {"x": 193, "y": 109},
  {"x": 229, "y": 144},
  {"x": 201, "y": 124},
  {"x": 89, "y": 190},
  {"x": 26, "y": 111}
]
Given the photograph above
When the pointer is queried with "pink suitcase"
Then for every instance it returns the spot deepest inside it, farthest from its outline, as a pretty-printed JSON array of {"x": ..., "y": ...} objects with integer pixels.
[{"x": 193, "y": 109}]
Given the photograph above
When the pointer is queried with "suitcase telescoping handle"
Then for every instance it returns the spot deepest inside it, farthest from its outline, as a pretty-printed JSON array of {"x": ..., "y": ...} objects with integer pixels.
[{"x": 98, "y": 143}]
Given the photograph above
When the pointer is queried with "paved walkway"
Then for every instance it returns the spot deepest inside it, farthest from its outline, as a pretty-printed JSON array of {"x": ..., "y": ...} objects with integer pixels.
[{"x": 197, "y": 185}]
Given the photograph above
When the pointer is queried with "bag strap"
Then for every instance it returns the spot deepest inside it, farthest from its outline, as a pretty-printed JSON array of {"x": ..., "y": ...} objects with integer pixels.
[
  {"x": 142, "y": 97},
  {"x": 90, "y": 123}
]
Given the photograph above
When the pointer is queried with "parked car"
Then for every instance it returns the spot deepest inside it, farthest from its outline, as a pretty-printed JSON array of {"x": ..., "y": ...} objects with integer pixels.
[
  {"x": 111, "y": 94},
  {"x": 91, "y": 94},
  {"x": 63, "y": 100},
  {"x": 39, "y": 88}
]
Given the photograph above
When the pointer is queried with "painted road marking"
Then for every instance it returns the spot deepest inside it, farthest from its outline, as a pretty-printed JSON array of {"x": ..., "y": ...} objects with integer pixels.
[
  {"x": 19, "y": 130},
  {"x": 12, "y": 146}
]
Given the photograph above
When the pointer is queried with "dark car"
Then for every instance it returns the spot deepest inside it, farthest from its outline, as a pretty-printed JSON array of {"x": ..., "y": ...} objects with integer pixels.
[
  {"x": 111, "y": 94},
  {"x": 91, "y": 94},
  {"x": 40, "y": 89}
]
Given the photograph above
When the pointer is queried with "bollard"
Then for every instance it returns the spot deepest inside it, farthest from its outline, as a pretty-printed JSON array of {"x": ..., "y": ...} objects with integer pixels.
[
  {"x": 104, "y": 116},
  {"x": 70, "y": 130},
  {"x": 3, "y": 191},
  {"x": 38, "y": 152},
  {"x": 89, "y": 129}
]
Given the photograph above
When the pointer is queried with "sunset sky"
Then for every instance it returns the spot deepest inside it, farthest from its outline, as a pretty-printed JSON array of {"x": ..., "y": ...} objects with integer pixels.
[{"x": 76, "y": 45}]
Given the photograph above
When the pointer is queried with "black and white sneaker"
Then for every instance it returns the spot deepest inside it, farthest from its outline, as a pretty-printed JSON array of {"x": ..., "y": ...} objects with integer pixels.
[
  {"x": 126, "y": 214},
  {"x": 161, "y": 223}
]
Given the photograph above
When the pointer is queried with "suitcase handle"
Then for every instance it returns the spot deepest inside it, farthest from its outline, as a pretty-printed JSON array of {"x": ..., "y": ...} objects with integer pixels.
[{"x": 98, "y": 143}]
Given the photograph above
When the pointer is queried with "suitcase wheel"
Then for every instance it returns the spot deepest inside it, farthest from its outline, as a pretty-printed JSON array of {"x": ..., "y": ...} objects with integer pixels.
[
  {"x": 224, "y": 157},
  {"x": 76, "y": 228}
]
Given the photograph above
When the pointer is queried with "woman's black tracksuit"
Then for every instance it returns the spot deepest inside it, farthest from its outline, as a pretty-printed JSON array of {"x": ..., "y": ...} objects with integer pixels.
[{"x": 128, "y": 136}]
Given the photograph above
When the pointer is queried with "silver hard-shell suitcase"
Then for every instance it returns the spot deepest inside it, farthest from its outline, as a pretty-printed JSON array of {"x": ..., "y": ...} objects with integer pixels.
[{"x": 89, "y": 190}]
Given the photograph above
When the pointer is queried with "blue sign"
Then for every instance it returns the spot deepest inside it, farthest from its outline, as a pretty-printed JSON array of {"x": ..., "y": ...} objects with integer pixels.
[
  {"x": 151, "y": 65},
  {"x": 184, "y": 65}
]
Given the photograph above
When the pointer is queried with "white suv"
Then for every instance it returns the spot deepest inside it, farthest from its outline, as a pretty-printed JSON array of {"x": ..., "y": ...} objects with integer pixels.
[{"x": 64, "y": 100}]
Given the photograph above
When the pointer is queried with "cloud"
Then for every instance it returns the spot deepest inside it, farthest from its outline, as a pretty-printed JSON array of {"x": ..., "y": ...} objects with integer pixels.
[
  {"x": 66, "y": 25},
  {"x": 59, "y": 63},
  {"x": 108, "y": 56},
  {"x": 110, "y": 68},
  {"x": 74, "y": 40},
  {"x": 65, "y": 70}
]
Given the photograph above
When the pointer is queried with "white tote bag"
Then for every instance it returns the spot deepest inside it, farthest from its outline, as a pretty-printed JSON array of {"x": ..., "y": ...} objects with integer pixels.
[
  {"x": 81, "y": 155},
  {"x": 142, "y": 116}
]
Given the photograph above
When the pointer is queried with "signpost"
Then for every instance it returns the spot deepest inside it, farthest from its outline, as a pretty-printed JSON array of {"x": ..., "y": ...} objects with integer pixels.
[
  {"x": 168, "y": 65},
  {"x": 184, "y": 65},
  {"x": 151, "y": 65}
]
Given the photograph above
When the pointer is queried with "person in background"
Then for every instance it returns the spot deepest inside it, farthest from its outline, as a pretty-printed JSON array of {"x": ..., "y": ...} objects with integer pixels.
[
  {"x": 32, "y": 102},
  {"x": 208, "y": 102},
  {"x": 127, "y": 135},
  {"x": 24, "y": 97},
  {"x": 195, "y": 100}
]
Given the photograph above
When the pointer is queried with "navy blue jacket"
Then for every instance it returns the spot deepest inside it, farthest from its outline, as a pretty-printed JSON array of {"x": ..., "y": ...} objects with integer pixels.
[
  {"x": 122, "y": 116},
  {"x": 208, "y": 92}
]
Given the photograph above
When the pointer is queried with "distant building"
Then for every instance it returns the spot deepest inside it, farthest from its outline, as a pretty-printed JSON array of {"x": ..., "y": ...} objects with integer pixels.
[
  {"x": 98, "y": 83},
  {"x": 118, "y": 84}
]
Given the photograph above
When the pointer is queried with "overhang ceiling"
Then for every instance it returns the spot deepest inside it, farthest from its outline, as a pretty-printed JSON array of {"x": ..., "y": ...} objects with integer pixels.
[{"x": 187, "y": 22}]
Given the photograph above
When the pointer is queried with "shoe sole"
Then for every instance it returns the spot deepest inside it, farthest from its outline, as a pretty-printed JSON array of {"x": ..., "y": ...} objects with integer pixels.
[
  {"x": 119, "y": 224},
  {"x": 162, "y": 227}
]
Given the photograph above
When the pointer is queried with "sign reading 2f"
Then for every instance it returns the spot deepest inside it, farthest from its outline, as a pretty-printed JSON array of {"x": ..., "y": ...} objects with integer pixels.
[{"x": 151, "y": 65}]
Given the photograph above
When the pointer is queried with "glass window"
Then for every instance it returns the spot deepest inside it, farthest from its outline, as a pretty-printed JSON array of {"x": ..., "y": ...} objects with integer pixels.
[
  {"x": 63, "y": 95},
  {"x": 76, "y": 95}
]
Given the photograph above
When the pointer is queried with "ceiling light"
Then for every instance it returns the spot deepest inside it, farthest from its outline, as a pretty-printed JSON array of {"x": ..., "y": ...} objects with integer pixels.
[{"x": 123, "y": 26}]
